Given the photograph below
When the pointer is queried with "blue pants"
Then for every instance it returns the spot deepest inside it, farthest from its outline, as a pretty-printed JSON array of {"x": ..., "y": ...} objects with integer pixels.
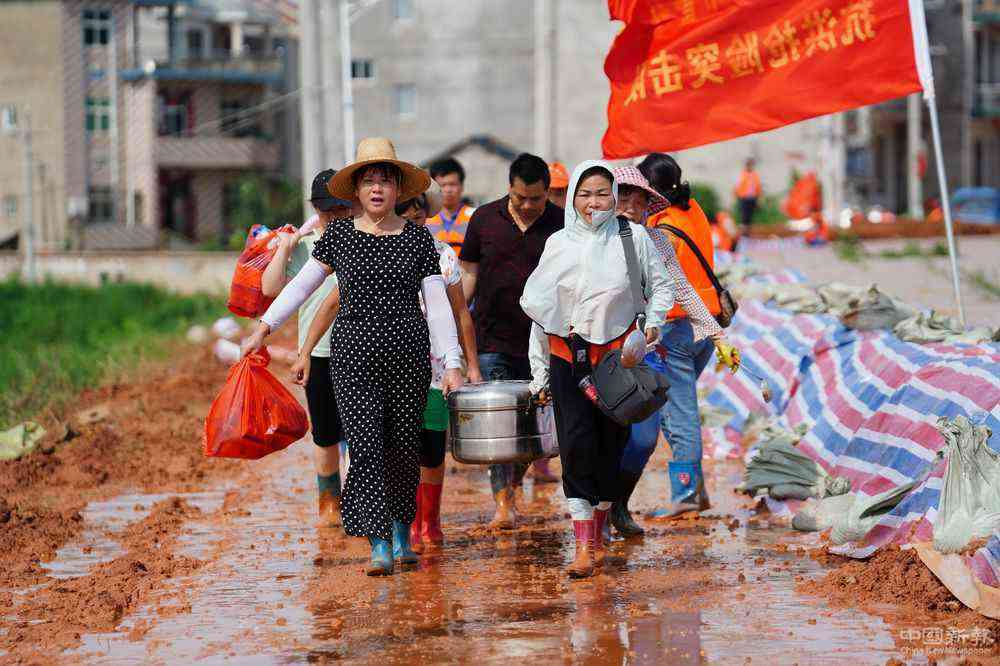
[
  {"x": 494, "y": 365},
  {"x": 679, "y": 419}
]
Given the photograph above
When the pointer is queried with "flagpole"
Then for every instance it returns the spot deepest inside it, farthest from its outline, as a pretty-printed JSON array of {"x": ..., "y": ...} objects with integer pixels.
[{"x": 946, "y": 207}]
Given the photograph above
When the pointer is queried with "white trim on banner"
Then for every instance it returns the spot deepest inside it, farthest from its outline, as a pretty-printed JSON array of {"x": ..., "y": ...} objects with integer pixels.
[{"x": 921, "y": 47}]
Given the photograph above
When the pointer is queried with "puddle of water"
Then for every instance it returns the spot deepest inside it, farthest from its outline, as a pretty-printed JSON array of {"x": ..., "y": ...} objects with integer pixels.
[
  {"x": 96, "y": 544},
  {"x": 280, "y": 591}
]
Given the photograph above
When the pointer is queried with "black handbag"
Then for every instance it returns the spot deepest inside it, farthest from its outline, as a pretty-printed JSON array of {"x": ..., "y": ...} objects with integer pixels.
[
  {"x": 629, "y": 395},
  {"x": 727, "y": 303}
]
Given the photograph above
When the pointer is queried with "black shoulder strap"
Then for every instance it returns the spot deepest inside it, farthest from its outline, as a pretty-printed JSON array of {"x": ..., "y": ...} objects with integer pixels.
[
  {"x": 697, "y": 252},
  {"x": 634, "y": 275}
]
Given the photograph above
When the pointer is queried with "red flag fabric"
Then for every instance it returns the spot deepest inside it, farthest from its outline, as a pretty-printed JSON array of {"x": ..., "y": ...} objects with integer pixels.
[{"x": 689, "y": 72}]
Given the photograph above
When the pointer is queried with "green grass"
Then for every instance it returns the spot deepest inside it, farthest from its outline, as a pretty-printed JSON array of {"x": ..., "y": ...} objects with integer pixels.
[
  {"x": 913, "y": 249},
  {"x": 849, "y": 248},
  {"x": 59, "y": 339},
  {"x": 983, "y": 282}
]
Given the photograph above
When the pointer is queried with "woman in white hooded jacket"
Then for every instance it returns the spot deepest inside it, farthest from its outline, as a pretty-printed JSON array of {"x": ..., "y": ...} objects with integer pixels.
[{"x": 580, "y": 299}]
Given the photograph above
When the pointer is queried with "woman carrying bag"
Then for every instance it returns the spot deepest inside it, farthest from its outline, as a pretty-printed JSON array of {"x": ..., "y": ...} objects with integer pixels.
[
  {"x": 583, "y": 305},
  {"x": 381, "y": 343}
]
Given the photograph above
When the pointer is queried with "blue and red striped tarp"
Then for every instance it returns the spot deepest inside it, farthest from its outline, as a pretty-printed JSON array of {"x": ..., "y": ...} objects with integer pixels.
[{"x": 871, "y": 404}]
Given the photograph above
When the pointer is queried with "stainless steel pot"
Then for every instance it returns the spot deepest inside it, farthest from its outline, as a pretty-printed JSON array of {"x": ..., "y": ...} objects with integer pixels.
[{"x": 498, "y": 422}]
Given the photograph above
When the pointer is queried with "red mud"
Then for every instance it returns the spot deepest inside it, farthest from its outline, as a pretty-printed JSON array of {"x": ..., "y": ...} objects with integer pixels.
[
  {"x": 896, "y": 584},
  {"x": 146, "y": 436}
]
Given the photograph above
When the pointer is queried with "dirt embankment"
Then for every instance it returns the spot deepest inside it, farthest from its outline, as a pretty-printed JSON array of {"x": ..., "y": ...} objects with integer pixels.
[
  {"x": 140, "y": 434},
  {"x": 896, "y": 585}
]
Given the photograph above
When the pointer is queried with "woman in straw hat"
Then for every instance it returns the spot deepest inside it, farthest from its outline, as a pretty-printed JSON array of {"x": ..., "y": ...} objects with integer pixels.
[
  {"x": 381, "y": 342},
  {"x": 426, "y": 532}
]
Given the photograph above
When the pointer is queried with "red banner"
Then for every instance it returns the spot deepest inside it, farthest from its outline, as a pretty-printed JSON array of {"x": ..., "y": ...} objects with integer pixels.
[{"x": 689, "y": 72}]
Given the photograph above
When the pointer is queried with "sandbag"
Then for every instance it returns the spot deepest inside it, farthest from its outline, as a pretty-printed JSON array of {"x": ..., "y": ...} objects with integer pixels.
[
  {"x": 936, "y": 327},
  {"x": 970, "y": 491},
  {"x": 254, "y": 415},
  {"x": 246, "y": 298},
  {"x": 781, "y": 471}
]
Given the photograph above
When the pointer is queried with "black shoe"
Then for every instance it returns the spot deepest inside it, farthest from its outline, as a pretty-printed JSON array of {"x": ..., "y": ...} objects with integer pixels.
[
  {"x": 624, "y": 524},
  {"x": 620, "y": 516}
]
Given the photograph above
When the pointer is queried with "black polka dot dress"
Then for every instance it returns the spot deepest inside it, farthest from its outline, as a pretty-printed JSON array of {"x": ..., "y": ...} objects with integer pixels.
[{"x": 380, "y": 365}]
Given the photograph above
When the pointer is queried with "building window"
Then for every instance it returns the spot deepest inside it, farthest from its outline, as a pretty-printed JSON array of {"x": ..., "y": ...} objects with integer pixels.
[
  {"x": 8, "y": 118},
  {"x": 405, "y": 99},
  {"x": 195, "y": 44},
  {"x": 238, "y": 120},
  {"x": 363, "y": 69},
  {"x": 10, "y": 206},
  {"x": 96, "y": 26},
  {"x": 102, "y": 205},
  {"x": 402, "y": 10},
  {"x": 98, "y": 114}
]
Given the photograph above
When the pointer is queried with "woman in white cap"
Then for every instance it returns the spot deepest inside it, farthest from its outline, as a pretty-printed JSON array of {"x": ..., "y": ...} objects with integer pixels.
[
  {"x": 580, "y": 300},
  {"x": 425, "y": 532},
  {"x": 380, "y": 340}
]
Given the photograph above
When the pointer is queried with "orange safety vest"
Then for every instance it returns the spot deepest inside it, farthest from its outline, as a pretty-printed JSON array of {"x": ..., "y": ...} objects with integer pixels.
[
  {"x": 694, "y": 223},
  {"x": 721, "y": 238},
  {"x": 451, "y": 231},
  {"x": 749, "y": 185}
]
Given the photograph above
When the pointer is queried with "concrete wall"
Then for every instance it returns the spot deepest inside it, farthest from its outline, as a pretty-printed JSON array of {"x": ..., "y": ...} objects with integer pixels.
[{"x": 184, "y": 272}]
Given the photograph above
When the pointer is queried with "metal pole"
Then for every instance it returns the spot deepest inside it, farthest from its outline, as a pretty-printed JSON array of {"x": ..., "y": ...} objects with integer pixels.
[
  {"x": 29, "y": 202},
  {"x": 347, "y": 92},
  {"x": 914, "y": 133},
  {"x": 946, "y": 206},
  {"x": 311, "y": 82}
]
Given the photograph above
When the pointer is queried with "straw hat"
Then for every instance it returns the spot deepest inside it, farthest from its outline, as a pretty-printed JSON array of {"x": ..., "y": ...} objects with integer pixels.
[{"x": 373, "y": 151}]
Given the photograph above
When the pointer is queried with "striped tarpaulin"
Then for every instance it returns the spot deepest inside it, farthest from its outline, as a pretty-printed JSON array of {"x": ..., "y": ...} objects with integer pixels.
[{"x": 871, "y": 404}]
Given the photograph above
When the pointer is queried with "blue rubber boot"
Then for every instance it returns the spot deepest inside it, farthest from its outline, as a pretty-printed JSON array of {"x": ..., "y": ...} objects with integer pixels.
[
  {"x": 687, "y": 490},
  {"x": 381, "y": 564},
  {"x": 401, "y": 550}
]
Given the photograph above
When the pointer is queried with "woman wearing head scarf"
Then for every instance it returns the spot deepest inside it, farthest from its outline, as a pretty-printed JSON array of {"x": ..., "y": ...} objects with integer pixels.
[
  {"x": 580, "y": 299},
  {"x": 686, "y": 349},
  {"x": 381, "y": 342},
  {"x": 688, "y": 324}
]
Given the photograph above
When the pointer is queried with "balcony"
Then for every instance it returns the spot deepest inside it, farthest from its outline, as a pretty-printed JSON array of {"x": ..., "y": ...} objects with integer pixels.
[
  {"x": 986, "y": 11},
  {"x": 199, "y": 153},
  {"x": 987, "y": 101},
  {"x": 219, "y": 66}
]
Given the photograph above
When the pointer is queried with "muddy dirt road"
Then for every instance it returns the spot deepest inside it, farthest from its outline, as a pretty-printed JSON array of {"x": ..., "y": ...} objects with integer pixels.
[{"x": 124, "y": 546}]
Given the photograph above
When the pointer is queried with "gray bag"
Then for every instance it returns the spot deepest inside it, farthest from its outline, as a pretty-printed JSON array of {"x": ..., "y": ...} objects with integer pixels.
[{"x": 629, "y": 395}]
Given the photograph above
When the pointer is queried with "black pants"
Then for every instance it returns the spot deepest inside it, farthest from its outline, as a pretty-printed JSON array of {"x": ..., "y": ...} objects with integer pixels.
[
  {"x": 324, "y": 416},
  {"x": 748, "y": 207},
  {"x": 590, "y": 444}
]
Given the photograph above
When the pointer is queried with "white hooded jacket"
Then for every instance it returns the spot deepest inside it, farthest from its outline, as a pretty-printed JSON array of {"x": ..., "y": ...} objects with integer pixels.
[{"x": 581, "y": 283}]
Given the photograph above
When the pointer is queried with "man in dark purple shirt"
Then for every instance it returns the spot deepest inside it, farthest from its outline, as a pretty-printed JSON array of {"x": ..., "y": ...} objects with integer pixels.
[{"x": 502, "y": 247}]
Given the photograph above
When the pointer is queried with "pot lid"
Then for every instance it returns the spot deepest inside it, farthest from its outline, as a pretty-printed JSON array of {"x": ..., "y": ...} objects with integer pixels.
[{"x": 497, "y": 394}]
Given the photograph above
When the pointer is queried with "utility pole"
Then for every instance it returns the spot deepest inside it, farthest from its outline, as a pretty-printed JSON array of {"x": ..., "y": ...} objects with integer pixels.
[
  {"x": 544, "y": 61},
  {"x": 311, "y": 82},
  {"x": 347, "y": 87},
  {"x": 28, "y": 227}
]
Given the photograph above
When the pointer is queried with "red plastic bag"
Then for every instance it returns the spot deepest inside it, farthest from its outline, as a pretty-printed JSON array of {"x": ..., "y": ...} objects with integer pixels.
[
  {"x": 246, "y": 298},
  {"x": 254, "y": 415}
]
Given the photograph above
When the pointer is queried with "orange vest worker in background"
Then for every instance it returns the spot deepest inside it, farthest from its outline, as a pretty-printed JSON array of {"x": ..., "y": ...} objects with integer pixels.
[
  {"x": 450, "y": 224},
  {"x": 747, "y": 192}
]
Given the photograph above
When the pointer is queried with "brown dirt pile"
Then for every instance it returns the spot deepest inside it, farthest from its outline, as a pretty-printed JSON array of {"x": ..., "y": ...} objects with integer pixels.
[
  {"x": 29, "y": 535},
  {"x": 52, "y": 618},
  {"x": 898, "y": 578}
]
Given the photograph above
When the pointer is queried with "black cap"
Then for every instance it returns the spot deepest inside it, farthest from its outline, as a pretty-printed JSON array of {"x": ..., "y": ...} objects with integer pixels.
[{"x": 321, "y": 197}]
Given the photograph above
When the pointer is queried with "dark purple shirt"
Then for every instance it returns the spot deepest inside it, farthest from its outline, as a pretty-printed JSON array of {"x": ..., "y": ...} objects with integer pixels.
[{"x": 506, "y": 258}]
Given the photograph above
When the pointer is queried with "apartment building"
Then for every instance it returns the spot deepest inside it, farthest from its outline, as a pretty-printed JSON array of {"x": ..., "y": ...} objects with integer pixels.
[
  {"x": 965, "y": 49},
  {"x": 144, "y": 115}
]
